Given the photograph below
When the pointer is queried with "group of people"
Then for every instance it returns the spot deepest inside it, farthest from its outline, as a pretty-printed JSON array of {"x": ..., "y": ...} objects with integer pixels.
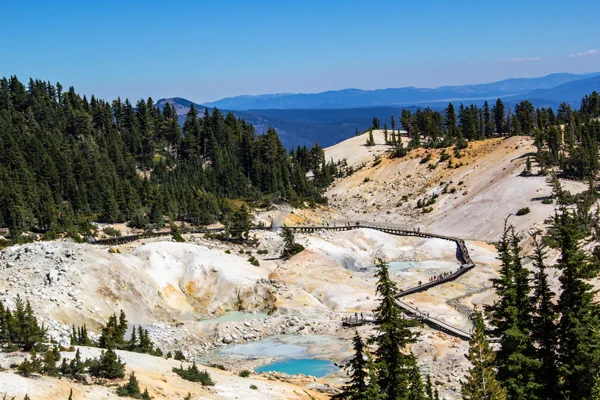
[{"x": 441, "y": 276}]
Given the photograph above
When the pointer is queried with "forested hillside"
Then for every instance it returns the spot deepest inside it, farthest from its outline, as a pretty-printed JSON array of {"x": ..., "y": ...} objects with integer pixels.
[
  {"x": 567, "y": 138},
  {"x": 66, "y": 160}
]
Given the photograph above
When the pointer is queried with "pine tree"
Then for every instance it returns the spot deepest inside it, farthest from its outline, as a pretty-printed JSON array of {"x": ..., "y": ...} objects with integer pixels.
[
  {"x": 544, "y": 326},
  {"x": 49, "y": 367},
  {"x": 290, "y": 247},
  {"x": 393, "y": 335},
  {"x": 416, "y": 389},
  {"x": 429, "y": 393},
  {"x": 357, "y": 386},
  {"x": 373, "y": 391},
  {"x": 481, "y": 382},
  {"x": 511, "y": 317},
  {"x": 578, "y": 326},
  {"x": 370, "y": 140},
  {"x": 499, "y": 111},
  {"x": 108, "y": 366},
  {"x": 240, "y": 224},
  {"x": 131, "y": 388},
  {"x": 70, "y": 394},
  {"x": 527, "y": 170}
]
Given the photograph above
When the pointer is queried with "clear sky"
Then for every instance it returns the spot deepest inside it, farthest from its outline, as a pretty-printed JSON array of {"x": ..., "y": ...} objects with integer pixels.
[{"x": 205, "y": 51}]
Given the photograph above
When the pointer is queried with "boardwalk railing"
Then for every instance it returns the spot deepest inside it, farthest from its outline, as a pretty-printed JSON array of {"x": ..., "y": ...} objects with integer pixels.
[
  {"x": 357, "y": 320},
  {"x": 462, "y": 253}
]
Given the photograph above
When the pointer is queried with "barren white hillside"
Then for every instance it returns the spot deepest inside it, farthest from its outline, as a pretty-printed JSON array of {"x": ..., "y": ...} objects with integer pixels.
[
  {"x": 354, "y": 150},
  {"x": 474, "y": 193}
]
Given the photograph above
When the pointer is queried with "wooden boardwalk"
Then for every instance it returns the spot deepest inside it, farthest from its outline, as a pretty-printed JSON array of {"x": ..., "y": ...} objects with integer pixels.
[{"x": 466, "y": 264}]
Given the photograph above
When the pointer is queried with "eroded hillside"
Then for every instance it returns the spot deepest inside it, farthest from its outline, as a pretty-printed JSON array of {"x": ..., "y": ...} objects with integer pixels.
[{"x": 467, "y": 196}]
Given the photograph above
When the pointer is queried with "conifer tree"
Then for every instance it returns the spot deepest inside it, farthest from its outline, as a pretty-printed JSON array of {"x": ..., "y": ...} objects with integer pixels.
[
  {"x": 429, "y": 388},
  {"x": 499, "y": 111},
  {"x": 416, "y": 389},
  {"x": 579, "y": 326},
  {"x": 290, "y": 247},
  {"x": 393, "y": 335},
  {"x": 511, "y": 317},
  {"x": 357, "y": 386},
  {"x": 373, "y": 391},
  {"x": 481, "y": 382},
  {"x": 131, "y": 388},
  {"x": 49, "y": 367},
  {"x": 544, "y": 326},
  {"x": 370, "y": 140}
]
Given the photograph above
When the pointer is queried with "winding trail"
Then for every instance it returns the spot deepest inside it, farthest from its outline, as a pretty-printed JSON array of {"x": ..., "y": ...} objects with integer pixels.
[{"x": 466, "y": 264}]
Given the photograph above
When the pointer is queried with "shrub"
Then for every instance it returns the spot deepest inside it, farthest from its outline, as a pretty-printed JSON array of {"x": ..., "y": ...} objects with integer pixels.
[
  {"x": 377, "y": 162},
  {"x": 252, "y": 260},
  {"x": 227, "y": 251},
  {"x": 193, "y": 374},
  {"x": 547, "y": 201},
  {"x": 444, "y": 156},
  {"x": 262, "y": 252},
  {"x": 253, "y": 387},
  {"x": 50, "y": 235},
  {"x": 110, "y": 231},
  {"x": 108, "y": 366},
  {"x": 523, "y": 211},
  {"x": 244, "y": 373},
  {"x": 179, "y": 356},
  {"x": 425, "y": 159},
  {"x": 367, "y": 179},
  {"x": 177, "y": 237},
  {"x": 218, "y": 366},
  {"x": 131, "y": 389}
]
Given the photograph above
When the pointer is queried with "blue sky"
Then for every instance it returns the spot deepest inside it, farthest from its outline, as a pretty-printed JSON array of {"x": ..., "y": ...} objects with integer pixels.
[{"x": 204, "y": 51}]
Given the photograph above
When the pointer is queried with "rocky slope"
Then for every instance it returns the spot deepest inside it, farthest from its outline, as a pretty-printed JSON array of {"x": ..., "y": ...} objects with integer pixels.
[{"x": 473, "y": 194}]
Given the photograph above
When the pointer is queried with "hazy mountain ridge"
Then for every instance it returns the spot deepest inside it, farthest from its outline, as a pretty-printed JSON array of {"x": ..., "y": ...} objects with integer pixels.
[
  {"x": 329, "y": 126},
  {"x": 354, "y": 98}
]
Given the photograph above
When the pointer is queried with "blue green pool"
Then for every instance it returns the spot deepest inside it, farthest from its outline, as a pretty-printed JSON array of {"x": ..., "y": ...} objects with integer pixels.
[{"x": 306, "y": 366}]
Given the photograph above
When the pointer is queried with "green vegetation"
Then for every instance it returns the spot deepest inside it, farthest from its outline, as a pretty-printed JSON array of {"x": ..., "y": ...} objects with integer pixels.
[
  {"x": 370, "y": 140},
  {"x": 523, "y": 211},
  {"x": 386, "y": 372},
  {"x": 68, "y": 160},
  {"x": 244, "y": 373},
  {"x": 192, "y": 373},
  {"x": 544, "y": 346},
  {"x": 481, "y": 381},
  {"x": 107, "y": 366},
  {"x": 19, "y": 328},
  {"x": 290, "y": 247},
  {"x": 179, "y": 355}
]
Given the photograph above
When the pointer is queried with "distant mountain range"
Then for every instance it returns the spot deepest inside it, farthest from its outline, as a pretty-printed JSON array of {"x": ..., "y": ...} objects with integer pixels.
[
  {"x": 321, "y": 121},
  {"x": 354, "y": 98}
]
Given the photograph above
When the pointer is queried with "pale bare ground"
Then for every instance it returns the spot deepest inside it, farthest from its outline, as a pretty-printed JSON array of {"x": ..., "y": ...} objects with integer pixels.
[
  {"x": 155, "y": 374},
  {"x": 473, "y": 200},
  {"x": 356, "y": 152}
]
